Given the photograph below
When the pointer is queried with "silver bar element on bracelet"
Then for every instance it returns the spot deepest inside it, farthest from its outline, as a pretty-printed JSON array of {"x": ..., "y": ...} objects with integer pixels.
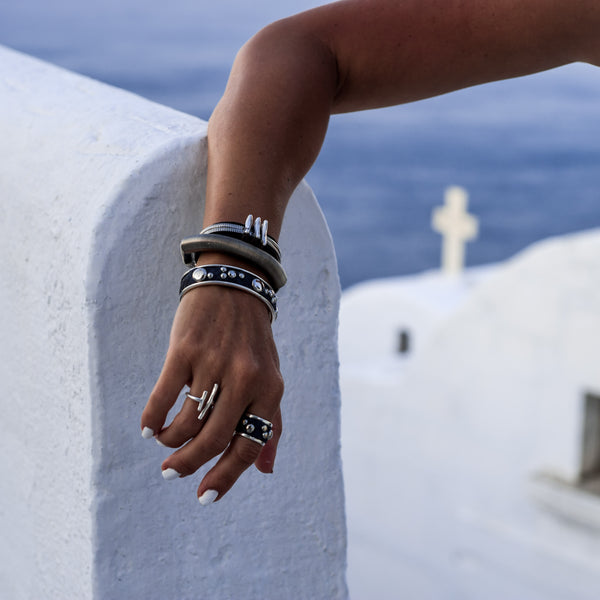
[
  {"x": 235, "y": 228},
  {"x": 257, "y": 223},
  {"x": 248, "y": 225}
]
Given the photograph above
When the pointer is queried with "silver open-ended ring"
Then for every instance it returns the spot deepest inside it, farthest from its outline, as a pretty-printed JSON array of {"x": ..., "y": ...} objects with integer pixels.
[{"x": 205, "y": 402}]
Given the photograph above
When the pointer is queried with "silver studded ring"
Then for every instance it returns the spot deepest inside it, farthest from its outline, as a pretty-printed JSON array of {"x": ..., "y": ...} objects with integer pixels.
[{"x": 255, "y": 428}]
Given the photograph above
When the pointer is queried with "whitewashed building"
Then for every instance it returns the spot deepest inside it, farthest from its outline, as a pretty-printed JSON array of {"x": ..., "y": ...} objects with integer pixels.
[{"x": 471, "y": 430}]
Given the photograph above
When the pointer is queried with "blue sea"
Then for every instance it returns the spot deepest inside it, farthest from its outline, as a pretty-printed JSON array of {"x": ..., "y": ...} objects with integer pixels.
[{"x": 527, "y": 150}]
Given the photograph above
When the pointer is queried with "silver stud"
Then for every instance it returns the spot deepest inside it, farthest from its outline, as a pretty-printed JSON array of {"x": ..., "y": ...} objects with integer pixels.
[
  {"x": 223, "y": 275},
  {"x": 199, "y": 274},
  {"x": 257, "y": 285},
  {"x": 241, "y": 275},
  {"x": 223, "y": 269},
  {"x": 210, "y": 276},
  {"x": 264, "y": 428},
  {"x": 245, "y": 422},
  {"x": 249, "y": 428},
  {"x": 231, "y": 274}
]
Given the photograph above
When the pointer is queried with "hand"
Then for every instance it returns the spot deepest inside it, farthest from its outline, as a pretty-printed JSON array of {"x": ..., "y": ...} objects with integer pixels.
[{"x": 219, "y": 335}]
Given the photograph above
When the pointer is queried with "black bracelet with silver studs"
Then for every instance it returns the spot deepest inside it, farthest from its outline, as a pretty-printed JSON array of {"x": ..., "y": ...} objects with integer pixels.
[{"x": 232, "y": 277}]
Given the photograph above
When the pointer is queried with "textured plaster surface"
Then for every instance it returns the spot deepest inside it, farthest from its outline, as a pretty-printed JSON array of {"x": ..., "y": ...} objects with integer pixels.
[
  {"x": 479, "y": 438},
  {"x": 98, "y": 186}
]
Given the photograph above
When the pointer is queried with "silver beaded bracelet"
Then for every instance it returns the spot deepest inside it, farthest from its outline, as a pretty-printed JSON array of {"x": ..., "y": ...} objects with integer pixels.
[{"x": 232, "y": 277}]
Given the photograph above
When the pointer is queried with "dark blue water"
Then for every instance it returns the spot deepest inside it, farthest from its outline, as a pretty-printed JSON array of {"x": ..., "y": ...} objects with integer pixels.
[{"x": 527, "y": 150}]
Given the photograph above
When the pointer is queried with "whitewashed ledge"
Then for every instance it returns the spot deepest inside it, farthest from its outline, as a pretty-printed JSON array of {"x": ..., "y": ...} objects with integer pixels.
[{"x": 97, "y": 188}]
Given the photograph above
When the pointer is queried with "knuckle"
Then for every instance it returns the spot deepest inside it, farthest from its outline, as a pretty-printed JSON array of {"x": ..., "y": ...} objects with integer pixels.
[
  {"x": 248, "y": 370},
  {"x": 252, "y": 375},
  {"x": 246, "y": 452},
  {"x": 183, "y": 350},
  {"x": 184, "y": 465},
  {"x": 179, "y": 431},
  {"x": 217, "y": 442},
  {"x": 184, "y": 428},
  {"x": 278, "y": 386}
]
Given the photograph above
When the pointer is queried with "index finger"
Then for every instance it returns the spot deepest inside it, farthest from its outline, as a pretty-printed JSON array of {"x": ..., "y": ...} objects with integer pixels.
[{"x": 173, "y": 377}]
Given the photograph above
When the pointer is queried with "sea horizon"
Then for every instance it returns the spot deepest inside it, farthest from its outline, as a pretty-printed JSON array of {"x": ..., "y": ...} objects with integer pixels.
[{"x": 526, "y": 149}]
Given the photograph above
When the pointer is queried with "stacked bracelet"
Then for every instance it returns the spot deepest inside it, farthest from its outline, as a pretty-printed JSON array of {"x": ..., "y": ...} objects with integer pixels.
[
  {"x": 232, "y": 277},
  {"x": 253, "y": 232},
  {"x": 249, "y": 242}
]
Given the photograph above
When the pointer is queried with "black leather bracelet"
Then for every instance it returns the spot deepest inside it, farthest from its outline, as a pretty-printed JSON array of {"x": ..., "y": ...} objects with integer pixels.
[{"x": 232, "y": 277}]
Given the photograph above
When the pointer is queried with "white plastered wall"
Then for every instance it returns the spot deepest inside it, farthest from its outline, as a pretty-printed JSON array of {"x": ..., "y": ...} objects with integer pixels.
[{"x": 97, "y": 187}]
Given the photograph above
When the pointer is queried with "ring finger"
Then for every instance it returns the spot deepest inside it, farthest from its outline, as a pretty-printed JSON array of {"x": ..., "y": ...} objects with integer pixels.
[{"x": 254, "y": 434}]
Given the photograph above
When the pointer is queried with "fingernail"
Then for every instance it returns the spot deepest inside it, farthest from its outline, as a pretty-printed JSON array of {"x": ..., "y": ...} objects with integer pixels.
[
  {"x": 170, "y": 474},
  {"x": 159, "y": 442},
  {"x": 147, "y": 433},
  {"x": 208, "y": 497}
]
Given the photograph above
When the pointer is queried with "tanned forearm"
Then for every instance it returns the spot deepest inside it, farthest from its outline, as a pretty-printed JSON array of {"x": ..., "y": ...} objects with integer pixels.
[
  {"x": 360, "y": 54},
  {"x": 265, "y": 134}
]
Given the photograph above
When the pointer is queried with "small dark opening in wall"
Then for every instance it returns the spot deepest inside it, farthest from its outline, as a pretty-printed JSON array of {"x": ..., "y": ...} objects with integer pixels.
[
  {"x": 589, "y": 473},
  {"x": 403, "y": 341}
]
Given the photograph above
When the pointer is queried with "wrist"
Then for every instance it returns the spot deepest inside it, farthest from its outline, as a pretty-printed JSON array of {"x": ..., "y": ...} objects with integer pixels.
[{"x": 220, "y": 274}]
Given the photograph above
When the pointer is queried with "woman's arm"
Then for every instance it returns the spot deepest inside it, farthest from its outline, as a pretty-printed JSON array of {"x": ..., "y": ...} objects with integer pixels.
[{"x": 267, "y": 131}]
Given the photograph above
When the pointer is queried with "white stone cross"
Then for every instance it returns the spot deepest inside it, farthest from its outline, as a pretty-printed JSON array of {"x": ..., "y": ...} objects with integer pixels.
[{"x": 457, "y": 227}]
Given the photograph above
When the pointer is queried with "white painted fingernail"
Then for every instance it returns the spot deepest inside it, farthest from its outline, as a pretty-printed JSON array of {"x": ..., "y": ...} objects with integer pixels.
[
  {"x": 147, "y": 433},
  {"x": 170, "y": 474},
  {"x": 159, "y": 442},
  {"x": 208, "y": 497}
]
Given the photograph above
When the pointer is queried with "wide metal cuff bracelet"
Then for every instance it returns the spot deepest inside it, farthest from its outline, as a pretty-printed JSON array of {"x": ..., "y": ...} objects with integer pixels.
[
  {"x": 255, "y": 428},
  {"x": 254, "y": 232},
  {"x": 232, "y": 277},
  {"x": 192, "y": 247}
]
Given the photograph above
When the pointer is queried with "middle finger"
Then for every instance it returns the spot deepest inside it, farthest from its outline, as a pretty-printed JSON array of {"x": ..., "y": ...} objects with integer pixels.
[{"x": 212, "y": 438}]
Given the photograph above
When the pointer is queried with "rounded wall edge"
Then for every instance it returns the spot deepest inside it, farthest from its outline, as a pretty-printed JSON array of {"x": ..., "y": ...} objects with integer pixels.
[
  {"x": 67, "y": 145},
  {"x": 151, "y": 537}
]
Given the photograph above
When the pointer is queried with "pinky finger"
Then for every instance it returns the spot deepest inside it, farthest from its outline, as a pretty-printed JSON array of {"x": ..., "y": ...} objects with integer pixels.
[{"x": 266, "y": 459}]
